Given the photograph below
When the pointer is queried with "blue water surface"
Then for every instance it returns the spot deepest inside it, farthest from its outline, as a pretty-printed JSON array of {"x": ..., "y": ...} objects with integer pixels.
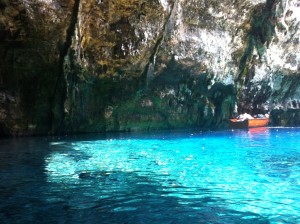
[{"x": 232, "y": 176}]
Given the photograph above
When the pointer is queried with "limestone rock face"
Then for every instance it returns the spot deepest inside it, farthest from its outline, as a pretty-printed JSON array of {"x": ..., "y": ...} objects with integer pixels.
[
  {"x": 32, "y": 35},
  {"x": 117, "y": 65}
]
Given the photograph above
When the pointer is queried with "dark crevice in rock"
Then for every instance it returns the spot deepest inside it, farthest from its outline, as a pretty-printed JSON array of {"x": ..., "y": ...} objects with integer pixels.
[
  {"x": 290, "y": 85},
  {"x": 260, "y": 34},
  {"x": 222, "y": 98},
  {"x": 289, "y": 117},
  {"x": 295, "y": 83},
  {"x": 149, "y": 68},
  {"x": 59, "y": 95},
  {"x": 69, "y": 36}
]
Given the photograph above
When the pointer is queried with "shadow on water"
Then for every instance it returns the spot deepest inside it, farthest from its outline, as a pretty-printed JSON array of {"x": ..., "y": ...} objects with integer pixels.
[
  {"x": 140, "y": 200},
  {"x": 28, "y": 195},
  {"x": 22, "y": 177}
]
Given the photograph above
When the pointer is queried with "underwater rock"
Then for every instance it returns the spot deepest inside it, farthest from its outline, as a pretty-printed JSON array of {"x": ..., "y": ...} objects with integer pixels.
[{"x": 84, "y": 175}]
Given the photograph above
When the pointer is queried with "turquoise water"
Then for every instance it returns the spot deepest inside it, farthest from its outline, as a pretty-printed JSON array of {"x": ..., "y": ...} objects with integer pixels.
[{"x": 241, "y": 176}]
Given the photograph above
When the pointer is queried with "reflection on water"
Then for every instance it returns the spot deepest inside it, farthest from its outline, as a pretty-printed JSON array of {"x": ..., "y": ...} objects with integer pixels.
[{"x": 242, "y": 176}]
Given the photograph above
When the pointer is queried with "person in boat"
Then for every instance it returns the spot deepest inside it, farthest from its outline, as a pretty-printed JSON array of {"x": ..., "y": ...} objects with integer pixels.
[
  {"x": 262, "y": 115},
  {"x": 244, "y": 116},
  {"x": 259, "y": 116}
]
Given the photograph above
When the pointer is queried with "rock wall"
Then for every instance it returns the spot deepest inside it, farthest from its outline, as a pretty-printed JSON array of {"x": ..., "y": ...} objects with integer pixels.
[
  {"x": 119, "y": 65},
  {"x": 32, "y": 36}
]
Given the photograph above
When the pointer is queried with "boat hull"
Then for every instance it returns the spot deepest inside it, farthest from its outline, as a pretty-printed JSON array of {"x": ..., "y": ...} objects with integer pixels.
[{"x": 249, "y": 123}]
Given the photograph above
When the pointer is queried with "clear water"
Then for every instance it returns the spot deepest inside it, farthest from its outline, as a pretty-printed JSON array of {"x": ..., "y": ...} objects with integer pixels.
[{"x": 229, "y": 176}]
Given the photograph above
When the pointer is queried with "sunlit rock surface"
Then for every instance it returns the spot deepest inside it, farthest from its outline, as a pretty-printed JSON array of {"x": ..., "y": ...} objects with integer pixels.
[{"x": 99, "y": 65}]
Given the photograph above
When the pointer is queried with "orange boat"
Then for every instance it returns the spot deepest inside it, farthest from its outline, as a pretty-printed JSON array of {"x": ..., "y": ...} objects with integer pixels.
[{"x": 248, "y": 123}]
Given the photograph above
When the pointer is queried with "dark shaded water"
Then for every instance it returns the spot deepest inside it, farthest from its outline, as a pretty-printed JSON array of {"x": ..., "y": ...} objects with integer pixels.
[{"x": 193, "y": 177}]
